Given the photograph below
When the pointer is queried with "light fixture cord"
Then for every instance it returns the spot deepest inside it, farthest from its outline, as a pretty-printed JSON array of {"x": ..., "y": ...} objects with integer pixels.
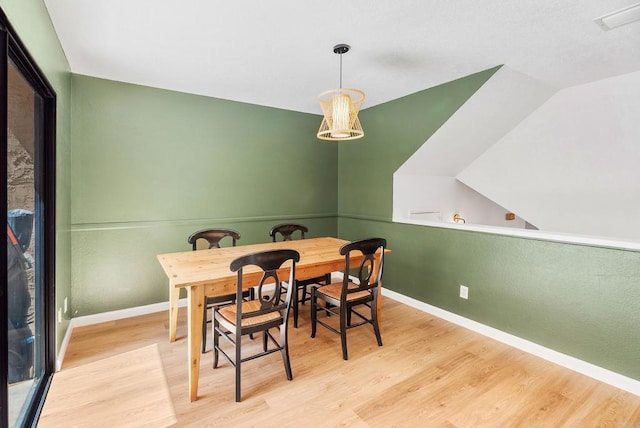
[{"x": 340, "y": 70}]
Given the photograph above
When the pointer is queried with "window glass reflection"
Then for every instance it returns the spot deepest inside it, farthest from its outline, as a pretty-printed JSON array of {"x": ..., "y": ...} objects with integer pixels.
[{"x": 21, "y": 243}]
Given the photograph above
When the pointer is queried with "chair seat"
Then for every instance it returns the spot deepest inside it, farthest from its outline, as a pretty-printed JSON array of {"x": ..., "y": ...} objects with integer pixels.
[
  {"x": 225, "y": 299},
  {"x": 334, "y": 290},
  {"x": 221, "y": 299},
  {"x": 317, "y": 280},
  {"x": 229, "y": 314}
]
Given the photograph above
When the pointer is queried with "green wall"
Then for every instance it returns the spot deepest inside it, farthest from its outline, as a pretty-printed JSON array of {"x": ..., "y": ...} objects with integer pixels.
[
  {"x": 31, "y": 21},
  {"x": 151, "y": 166},
  {"x": 581, "y": 301}
]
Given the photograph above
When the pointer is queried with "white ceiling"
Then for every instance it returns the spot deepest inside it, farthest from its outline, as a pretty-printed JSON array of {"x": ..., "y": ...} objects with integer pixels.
[{"x": 279, "y": 53}]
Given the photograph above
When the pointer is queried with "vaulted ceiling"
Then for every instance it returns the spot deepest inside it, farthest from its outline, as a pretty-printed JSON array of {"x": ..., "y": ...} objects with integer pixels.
[{"x": 280, "y": 53}]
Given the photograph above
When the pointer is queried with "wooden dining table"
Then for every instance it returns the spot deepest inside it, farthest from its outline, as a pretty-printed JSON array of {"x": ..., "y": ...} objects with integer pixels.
[{"x": 206, "y": 273}]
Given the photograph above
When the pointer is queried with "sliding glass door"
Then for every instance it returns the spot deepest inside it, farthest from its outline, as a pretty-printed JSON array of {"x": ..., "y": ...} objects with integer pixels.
[{"x": 27, "y": 112}]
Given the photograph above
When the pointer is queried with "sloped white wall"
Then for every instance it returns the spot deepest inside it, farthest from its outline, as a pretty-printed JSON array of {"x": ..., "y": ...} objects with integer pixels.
[
  {"x": 447, "y": 196},
  {"x": 426, "y": 184},
  {"x": 574, "y": 164}
]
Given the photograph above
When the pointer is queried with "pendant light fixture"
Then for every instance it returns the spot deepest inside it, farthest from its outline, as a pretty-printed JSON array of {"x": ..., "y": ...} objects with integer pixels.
[{"x": 340, "y": 108}]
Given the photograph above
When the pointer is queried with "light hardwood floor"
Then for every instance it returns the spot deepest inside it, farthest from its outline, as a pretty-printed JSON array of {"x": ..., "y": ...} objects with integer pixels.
[{"x": 429, "y": 373}]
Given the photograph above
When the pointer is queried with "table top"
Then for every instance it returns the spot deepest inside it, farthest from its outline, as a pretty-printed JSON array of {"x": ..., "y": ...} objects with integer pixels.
[{"x": 211, "y": 267}]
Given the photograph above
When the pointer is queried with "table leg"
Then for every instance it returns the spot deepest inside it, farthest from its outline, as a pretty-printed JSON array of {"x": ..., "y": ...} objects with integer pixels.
[
  {"x": 174, "y": 300},
  {"x": 195, "y": 297}
]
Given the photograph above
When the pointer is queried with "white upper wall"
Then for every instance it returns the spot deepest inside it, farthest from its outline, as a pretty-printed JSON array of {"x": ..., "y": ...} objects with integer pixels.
[
  {"x": 427, "y": 180},
  {"x": 574, "y": 164},
  {"x": 487, "y": 116}
]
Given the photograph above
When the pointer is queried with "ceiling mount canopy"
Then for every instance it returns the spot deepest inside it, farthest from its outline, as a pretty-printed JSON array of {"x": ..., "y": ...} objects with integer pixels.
[{"x": 340, "y": 108}]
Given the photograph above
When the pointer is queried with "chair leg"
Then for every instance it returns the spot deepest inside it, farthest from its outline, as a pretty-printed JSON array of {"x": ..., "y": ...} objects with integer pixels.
[
  {"x": 204, "y": 328},
  {"x": 304, "y": 294},
  {"x": 314, "y": 315},
  {"x": 265, "y": 341},
  {"x": 285, "y": 352},
  {"x": 216, "y": 340},
  {"x": 343, "y": 330},
  {"x": 376, "y": 325},
  {"x": 252, "y": 296},
  {"x": 238, "y": 363},
  {"x": 295, "y": 303}
]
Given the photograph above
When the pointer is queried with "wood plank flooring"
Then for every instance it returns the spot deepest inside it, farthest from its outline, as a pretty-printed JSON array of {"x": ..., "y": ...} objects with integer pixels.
[
  {"x": 74, "y": 400},
  {"x": 429, "y": 373}
]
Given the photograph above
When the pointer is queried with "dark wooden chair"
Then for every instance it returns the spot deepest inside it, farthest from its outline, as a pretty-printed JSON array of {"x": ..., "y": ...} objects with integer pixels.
[
  {"x": 344, "y": 297},
  {"x": 270, "y": 310},
  {"x": 213, "y": 238},
  {"x": 286, "y": 231}
]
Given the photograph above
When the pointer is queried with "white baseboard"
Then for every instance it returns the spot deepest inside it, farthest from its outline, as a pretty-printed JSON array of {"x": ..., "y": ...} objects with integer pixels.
[
  {"x": 109, "y": 316},
  {"x": 596, "y": 372}
]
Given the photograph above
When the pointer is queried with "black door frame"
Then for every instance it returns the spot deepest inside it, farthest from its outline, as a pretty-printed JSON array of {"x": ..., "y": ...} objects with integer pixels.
[{"x": 12, "y": 49}]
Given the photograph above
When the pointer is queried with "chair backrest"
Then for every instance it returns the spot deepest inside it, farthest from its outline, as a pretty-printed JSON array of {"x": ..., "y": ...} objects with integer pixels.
[
  {"x": 287, "y": 230},
  {"x": 213, "y": 236},
  {"x": 269, "y": 288},
  {"x": 366, "y": 268}
]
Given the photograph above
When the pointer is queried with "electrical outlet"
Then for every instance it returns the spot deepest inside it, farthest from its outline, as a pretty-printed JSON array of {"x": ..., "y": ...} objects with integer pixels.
[
  {"x": 66, "y": 306},
  {"x": 464, "y": 292},
  {"x": 59, "y": 315}
]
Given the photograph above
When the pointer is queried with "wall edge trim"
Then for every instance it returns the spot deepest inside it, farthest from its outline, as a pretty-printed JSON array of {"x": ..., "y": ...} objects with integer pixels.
[
  {"x": 536, "y": 235},
  {"x": 120, "y": 225},
  {"x": 365, "y": 217},
  {"x": 63, "y": 347},
  {"x": 580, "y": 366}
]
